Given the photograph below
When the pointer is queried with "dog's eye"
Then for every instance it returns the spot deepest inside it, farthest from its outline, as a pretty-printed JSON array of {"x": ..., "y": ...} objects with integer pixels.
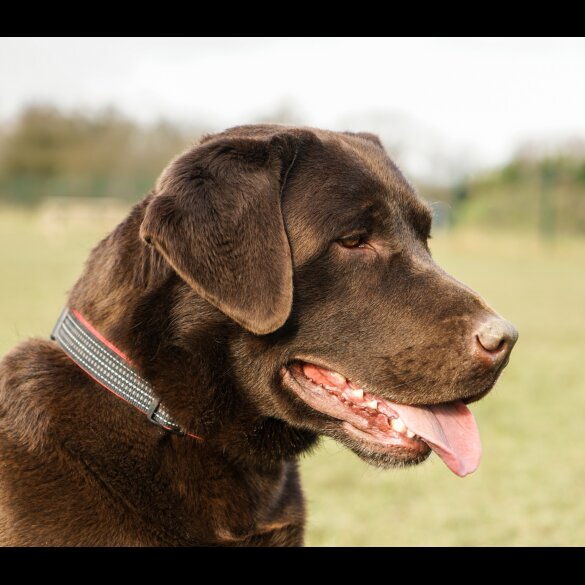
[{"x": 355, "y": 241}]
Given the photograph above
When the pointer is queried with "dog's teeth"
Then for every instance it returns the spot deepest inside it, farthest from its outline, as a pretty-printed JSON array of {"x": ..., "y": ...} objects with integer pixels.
[
  {"x": 410, "y": 434},
  {"x": 358, "y": 394},
  {"x": 373, "y": 404},
  {"x": 398, "y": 425}
]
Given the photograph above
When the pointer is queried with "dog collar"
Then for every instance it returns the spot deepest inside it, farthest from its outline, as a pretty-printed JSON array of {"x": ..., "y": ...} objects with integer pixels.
[{"x": 110, "y": 367}]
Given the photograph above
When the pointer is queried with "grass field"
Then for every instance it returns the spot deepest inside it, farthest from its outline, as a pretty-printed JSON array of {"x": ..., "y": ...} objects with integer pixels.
[{"x": 529, "y": 488}]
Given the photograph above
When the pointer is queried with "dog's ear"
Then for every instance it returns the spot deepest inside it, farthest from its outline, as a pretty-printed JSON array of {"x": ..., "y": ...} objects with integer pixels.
[
  {"x": 216, "y": 218},
  {"x": 367, "y": 136}
]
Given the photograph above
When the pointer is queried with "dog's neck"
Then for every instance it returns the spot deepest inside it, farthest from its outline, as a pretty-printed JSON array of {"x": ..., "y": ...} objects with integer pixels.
[{"x": 180, "y": 343}]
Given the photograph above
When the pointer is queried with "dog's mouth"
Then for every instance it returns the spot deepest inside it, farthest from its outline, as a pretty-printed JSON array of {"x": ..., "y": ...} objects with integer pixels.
[{"x": 407, "y": 432}]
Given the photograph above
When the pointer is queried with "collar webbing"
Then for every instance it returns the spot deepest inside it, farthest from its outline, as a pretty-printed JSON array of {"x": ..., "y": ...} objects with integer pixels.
[{"x": 110, "y": 367}]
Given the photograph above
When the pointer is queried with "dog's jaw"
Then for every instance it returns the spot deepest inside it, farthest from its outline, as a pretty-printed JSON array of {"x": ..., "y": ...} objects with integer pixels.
[{"x": 394, "y": 433}]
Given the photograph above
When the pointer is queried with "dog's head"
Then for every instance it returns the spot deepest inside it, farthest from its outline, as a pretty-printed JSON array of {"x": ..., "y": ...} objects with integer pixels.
[{"x": 315, "y": 245}]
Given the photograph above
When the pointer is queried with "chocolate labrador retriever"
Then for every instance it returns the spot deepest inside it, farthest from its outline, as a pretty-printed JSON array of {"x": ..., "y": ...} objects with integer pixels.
[{"x": 276, "y": 285}]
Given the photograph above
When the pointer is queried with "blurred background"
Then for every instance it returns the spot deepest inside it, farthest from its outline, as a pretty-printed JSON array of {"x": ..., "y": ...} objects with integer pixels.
[{"x": 490, "y": 131}]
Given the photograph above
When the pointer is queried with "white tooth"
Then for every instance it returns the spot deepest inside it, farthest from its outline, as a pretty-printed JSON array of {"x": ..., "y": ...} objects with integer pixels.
[
  {"x": 336, "y": 378},
  {"x": 398, "y": 425},
  {"x": 359, "y": 394},
  {"x": 410, "y": 434},
  {"x": 373, "y": 404}
]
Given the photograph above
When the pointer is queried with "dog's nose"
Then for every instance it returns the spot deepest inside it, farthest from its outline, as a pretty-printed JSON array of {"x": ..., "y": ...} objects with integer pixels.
[{"x": 495, "y": 338}]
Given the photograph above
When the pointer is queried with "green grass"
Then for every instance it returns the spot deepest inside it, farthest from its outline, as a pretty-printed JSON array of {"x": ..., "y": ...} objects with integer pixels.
[{"x": 529, "y": 487}]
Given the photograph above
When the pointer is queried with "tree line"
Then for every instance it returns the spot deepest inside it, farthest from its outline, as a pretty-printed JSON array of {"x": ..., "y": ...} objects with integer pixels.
[{"x": 46, "y": 152}]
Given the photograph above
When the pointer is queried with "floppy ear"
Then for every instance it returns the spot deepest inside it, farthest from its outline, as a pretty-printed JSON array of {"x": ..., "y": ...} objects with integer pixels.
[
  {"x": 367, "y": 136},
  {"x": 216, "y": 218}
]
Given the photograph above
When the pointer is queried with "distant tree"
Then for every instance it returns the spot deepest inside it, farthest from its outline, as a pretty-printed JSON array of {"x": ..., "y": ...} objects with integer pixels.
[{"x": 47, "y": 151}]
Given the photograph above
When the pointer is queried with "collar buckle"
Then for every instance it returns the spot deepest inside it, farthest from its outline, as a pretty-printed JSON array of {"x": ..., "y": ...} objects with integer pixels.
[{"x": 152, "y": 410}]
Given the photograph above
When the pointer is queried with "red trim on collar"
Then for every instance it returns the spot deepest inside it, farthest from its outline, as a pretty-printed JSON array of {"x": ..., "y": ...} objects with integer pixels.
[{"x": 101, "y": 337}]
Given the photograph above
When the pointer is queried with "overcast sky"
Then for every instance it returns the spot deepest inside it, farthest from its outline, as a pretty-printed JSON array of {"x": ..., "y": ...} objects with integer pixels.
[{"x": 479, "y": 96}]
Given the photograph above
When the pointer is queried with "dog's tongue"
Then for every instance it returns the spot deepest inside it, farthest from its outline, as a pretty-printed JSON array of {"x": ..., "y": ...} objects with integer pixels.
[{"x": 450, "y": 431}]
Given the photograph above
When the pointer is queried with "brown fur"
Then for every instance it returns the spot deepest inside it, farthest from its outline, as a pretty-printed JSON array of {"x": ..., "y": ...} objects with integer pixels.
[{"x": 227, "y": 271}]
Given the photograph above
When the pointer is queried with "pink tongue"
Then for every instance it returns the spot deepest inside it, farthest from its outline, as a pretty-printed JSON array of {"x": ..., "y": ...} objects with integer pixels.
[{"x": 449, "y": 429}]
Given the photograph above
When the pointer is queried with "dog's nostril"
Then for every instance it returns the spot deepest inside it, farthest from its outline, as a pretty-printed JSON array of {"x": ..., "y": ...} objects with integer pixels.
[
  {"x": 496, "y": 336},
  {"x": 490, "y": 345}
]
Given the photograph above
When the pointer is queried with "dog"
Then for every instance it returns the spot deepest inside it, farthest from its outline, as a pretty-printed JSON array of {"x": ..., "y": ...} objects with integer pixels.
[{"x": 275, "y": 286}]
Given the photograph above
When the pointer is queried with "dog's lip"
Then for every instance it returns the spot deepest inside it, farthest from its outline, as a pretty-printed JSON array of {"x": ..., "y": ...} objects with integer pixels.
[
  {"x": 366, "y": 426},
  {"x": 317, "y": 361}
]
